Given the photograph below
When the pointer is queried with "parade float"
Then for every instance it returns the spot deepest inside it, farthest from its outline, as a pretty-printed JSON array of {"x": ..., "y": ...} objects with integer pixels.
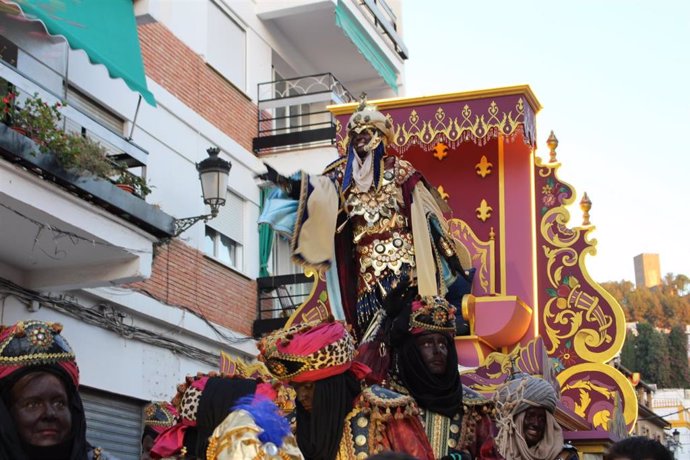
[{"x": 534, "y": 307}]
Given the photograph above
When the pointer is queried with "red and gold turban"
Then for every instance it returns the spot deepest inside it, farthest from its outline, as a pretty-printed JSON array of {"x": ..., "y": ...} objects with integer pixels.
[
  {"x": 308, "y": 351},
  {"x": 35, "y": 343}
]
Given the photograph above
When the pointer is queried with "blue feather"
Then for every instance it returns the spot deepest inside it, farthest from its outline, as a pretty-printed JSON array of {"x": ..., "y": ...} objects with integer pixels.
[{"x": 267, "y": 416}]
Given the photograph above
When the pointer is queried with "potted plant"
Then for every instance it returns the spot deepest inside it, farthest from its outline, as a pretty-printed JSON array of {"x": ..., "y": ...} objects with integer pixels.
[
  {"x": 131, "y": 183},
  {"x": 79, "y": 154},
  {"x": 36, "y": 119},
  {"x": 84, "y": 156}
]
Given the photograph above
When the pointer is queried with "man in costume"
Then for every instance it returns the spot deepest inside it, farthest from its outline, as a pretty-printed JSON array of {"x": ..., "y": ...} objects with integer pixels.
[
  {"x": 158, "y": 416},
  {"x": 528, "y": 429},
  {"x": 370, "y": 217},
  {"x": 203, "y": 402},
  {"x": 336, "y": 418},
  {"x": 41, "y": 412},
  {"x": 420, "y": 332}
]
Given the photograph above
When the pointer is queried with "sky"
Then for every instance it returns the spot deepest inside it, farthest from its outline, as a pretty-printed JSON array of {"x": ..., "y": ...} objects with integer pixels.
[{"x": 613, "y": 77}]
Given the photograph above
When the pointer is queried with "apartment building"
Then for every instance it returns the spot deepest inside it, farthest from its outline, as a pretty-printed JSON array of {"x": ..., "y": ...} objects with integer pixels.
[{"x": 144, "y": 295}]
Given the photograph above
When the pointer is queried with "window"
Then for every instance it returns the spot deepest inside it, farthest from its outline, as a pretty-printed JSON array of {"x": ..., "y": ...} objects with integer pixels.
[
  {"x": 291, "y": 295},
  {"x": 225, "y": 234},
  {"x": 222, "y": 248},
  {"x": 226, "y": 46}
]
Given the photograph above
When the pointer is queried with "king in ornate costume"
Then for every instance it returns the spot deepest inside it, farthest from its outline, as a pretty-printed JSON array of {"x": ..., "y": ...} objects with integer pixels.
[{"x": 372, "y": 220}]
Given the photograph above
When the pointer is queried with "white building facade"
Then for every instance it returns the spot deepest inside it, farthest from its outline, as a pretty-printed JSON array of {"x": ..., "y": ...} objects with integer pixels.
[
  {"x": 141, "y": 307},
  {"x": 673, "y": 404}
]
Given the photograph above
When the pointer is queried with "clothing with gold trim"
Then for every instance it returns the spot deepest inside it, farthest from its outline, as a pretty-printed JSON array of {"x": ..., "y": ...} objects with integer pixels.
[{"x": 383, "y": 420}]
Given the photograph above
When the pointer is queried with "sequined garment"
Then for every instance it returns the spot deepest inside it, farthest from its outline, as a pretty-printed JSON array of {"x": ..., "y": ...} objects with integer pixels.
[{"x": 381, "y": 236}]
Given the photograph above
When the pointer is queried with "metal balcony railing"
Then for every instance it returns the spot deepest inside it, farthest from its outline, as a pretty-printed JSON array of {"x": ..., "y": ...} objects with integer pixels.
[
  {"x": 118, "y": 146},
  {"x": 293, "y": 111},
  {"x": 278, "y": 298},
  {"x": 385, "y": 22}
]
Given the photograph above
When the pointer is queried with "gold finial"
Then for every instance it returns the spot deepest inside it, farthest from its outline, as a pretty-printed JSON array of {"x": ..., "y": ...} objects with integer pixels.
[
  {"x": 362, "y": 101},
  {"x": 585, "y": 205},
  {"x": 552, "y": 142}
]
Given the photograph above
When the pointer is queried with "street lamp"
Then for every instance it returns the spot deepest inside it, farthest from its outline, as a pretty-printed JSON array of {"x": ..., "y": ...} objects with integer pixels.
[
  {"x": 673, "y": 442},
  {"x": 213, "y": 174}
]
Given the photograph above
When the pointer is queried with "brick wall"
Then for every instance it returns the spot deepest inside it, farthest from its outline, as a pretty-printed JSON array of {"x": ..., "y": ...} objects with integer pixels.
[
  {"x": 174, "y": 66},
  {"x": 183, "y": 276}
]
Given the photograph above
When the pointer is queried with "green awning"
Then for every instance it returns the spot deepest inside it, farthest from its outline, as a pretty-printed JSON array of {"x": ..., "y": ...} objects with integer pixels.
[
  {"x": 105, "y": 29},
  {"x": 356, "y": 33}
]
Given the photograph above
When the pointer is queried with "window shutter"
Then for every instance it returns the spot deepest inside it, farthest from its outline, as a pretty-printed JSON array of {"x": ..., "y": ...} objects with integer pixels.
[
  {"x": 113, "y": 423},
  {"x": 230, "y": 219},
  {"x": 226, "y": 46}
]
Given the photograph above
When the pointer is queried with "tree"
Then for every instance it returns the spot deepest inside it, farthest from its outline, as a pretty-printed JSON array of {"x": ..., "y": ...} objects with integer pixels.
[
  {"x": 652, "y": 355},
  {"x": 629, "y": 352},
  {"x": 678, "y": 358},
  {"x": 665, "y": 306}
]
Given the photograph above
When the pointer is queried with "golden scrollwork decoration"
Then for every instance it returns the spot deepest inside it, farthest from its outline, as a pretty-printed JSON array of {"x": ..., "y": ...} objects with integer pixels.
[{"x": 481, "y": 252}]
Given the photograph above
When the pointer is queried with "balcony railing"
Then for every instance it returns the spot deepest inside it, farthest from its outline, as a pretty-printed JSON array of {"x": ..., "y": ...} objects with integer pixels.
[
  {"x": 385, "y": 22},
  {"x": 293, "y": 111},
  {"x": 278, "y": 298},
  {"x": 121, "y": 148}
]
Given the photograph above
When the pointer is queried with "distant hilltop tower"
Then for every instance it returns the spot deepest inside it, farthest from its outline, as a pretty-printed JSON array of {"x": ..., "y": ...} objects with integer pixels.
[{"x": 647, "y": 270}]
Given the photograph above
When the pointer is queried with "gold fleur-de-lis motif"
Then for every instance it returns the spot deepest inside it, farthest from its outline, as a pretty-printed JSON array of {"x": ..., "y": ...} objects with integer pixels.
[
  {"x": 484, "y": 167},
  {"x": 442, "y": 192},
  {"x": 440, "y": 151},
  {"x": 484, "y": 211}
]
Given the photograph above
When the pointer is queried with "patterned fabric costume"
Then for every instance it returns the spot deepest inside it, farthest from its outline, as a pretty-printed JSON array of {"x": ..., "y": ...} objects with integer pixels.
[
  {"x": 456, "y": 419},
  {"x": 345, "y": 422},
  {"x": 38, "y": 347},
  {"x": 373, "y": 220},
  {"x": 203, "y": 402},
  {"x": 254, "y": 430},
  {"x": 159, "y": 416}
]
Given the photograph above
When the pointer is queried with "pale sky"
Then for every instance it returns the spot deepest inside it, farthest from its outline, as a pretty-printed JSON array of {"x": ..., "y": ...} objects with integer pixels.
[{"x": 613, "y": 77}]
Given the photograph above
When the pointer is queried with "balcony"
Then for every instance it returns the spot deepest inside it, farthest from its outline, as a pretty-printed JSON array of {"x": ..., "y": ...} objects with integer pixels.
[
  {"x": 61, "y": 230},
  {"x": 292, "y": 112},
  {"x": 278, "y": 298},
  {"x": 364, "y": 50}
]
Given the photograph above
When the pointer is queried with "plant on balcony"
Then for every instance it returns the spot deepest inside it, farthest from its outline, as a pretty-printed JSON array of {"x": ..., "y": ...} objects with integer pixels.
[
  {"x": 131, "y": 182},
  {"x": 36, "y": 119},
  {"x": 85, "y": 156},
  {"x": 39, "y": 121}
]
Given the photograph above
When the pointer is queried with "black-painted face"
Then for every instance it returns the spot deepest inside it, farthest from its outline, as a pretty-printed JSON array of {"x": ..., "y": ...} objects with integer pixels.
[
  {"x": 305, "y": 394},
  {"x": 360, "y": 142},
  {"x": 433, "y": 347},
  {"x": 40, "y": 409},
  {"x": 533, "y": 425}
]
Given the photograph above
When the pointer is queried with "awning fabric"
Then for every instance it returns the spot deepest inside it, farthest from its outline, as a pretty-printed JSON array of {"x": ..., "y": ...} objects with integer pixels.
[
  {"x": 352, "y": 28},
  {"x": 105, "y": 29}
]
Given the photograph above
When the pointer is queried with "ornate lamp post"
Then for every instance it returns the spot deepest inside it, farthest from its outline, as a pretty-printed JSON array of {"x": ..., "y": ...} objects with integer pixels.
[
  {"x": 673, "y": 442},
  {"x": 213, "y": 174}
]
